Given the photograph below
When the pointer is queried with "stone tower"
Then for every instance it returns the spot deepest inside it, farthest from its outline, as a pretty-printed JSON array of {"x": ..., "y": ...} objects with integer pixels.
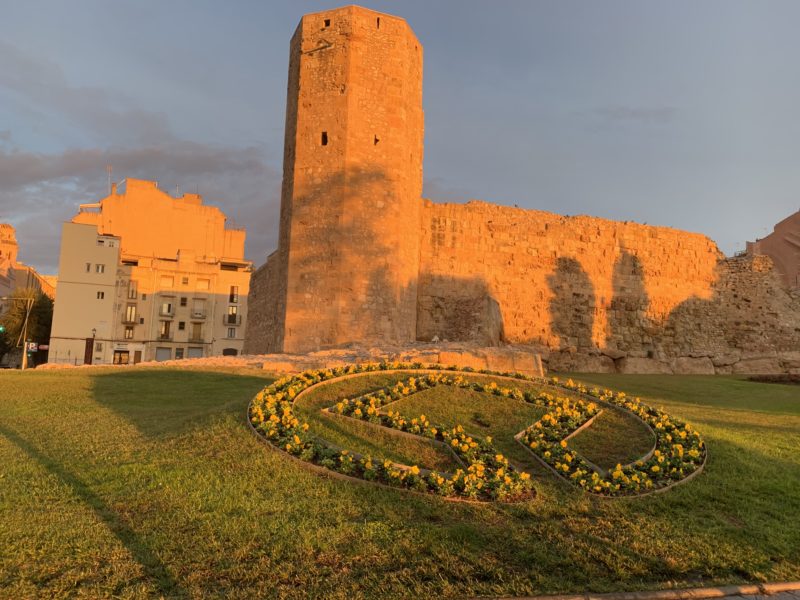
[{"x": 348, "y": 254}]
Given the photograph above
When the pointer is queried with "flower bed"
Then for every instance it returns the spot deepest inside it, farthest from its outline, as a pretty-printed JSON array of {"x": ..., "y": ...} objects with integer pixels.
[{"x": 487, "y": 474}]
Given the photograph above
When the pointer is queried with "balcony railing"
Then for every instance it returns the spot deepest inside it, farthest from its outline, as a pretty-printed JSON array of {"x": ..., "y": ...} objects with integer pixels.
[
  {"x": 165, "y": 337},
  {"x": 126, "y": 320},
  {"x": 196, "y": 340},
  {"x": 198, "y": 315},
  {"x": 166, "y": 313},
  {"x": 232, "y": 319}
]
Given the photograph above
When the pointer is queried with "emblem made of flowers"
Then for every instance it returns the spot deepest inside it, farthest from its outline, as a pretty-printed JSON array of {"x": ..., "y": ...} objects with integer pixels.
[{"x": 484, "y": 473}]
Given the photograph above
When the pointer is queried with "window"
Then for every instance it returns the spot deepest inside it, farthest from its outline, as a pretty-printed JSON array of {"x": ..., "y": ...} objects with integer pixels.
[
  {"x": 129, "y": 333},
  {"x": 132, "y": 290},
  {"x": 98, "y": 346},
  {"x": 327, "y": 23},
  {"x": 183, "y": 300},
  {"x": 178, "y": 353},
  {"x": 376, "y": 140},
  {"x": 101, "y": 295},
  {"x": 99, "y": 268},
  {"x": 197, "y": 331},
  {"x": 144, "y": 296},
  {"x": 379, "y": 22},
  {"x": 121, "y": 357},
  {"x": 88, "y": 267},
  {"x": 163, "y": 330},
  {"x": 232, "y": 315},
  {"x": 181, "y": 325},
  {"x": 141, "y": 320},
  {"x": 130, "y": 313},
  {"x": 231, "y": 332},
  {"x": 234, "y": 295},
  {"x": 101, "y": 242},
  {"x": 166, "y": 308},
  {"x": 185, "y": 281},
  {"x": 324, "y": 138}
]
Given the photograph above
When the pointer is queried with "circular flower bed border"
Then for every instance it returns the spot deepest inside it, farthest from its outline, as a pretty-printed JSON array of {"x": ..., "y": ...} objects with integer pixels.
[{"x": 678, "y": 455}]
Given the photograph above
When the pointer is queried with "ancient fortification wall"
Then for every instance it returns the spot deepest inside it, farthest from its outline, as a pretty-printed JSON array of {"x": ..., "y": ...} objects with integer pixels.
[{"x": 363, "y": 259}]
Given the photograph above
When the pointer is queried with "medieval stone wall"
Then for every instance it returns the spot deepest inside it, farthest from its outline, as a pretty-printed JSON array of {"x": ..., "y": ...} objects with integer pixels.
[
  {"x": 267, "y": 294},
  {"x": 597, "y": 294}
]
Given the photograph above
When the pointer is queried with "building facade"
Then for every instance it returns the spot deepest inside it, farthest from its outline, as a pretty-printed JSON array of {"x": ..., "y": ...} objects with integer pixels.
[
  {"x": 144, "y": 276},
  {"x": 783, "y": 247},
  {"x": 16, "y": 275}
]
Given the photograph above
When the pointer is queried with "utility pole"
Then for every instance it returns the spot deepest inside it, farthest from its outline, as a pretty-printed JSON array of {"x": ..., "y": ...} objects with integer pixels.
[{"x": 23, "y": 335}]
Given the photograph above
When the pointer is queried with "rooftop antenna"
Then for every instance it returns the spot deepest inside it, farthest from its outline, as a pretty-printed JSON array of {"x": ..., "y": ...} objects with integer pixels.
[
  {"x": 177, "y": 190},
  {"x": 108, "y": 170}
]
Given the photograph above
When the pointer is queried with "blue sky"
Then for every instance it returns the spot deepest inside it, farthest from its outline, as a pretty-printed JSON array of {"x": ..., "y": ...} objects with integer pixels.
[{"x": 681, "y": 114}]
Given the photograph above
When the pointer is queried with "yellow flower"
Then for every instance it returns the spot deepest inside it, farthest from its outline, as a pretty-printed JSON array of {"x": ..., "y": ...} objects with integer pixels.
[{"x": 655, "y": 468}]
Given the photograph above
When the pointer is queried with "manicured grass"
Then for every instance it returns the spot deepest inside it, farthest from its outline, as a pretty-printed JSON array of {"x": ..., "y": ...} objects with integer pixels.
[
  {"x": 139, "y": 483},
  {"x": 615, "y": 437},
  {"x": 367, "y": 438},
  {"x": 480, "y": 414}
]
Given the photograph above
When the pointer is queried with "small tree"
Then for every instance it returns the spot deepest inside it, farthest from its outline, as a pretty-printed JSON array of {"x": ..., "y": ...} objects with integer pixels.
[{"x": 40, "y": 319}]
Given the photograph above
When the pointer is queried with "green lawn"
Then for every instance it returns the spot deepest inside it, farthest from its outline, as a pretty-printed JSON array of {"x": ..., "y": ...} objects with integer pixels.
[{"x": 138, "y": 483}]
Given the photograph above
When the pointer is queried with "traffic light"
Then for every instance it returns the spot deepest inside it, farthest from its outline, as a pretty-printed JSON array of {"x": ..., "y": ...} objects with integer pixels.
[{"x": 2, "y": 328}]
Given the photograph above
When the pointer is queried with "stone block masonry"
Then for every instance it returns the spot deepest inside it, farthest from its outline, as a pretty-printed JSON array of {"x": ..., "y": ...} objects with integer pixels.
[{"x": 364, "y": 260}]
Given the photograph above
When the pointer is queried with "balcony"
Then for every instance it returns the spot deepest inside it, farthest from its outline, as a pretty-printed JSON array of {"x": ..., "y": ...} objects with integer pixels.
[
  {"x": 196, "y": 340},
  {"x": 165, "y": 337},
  {"x": 166, "y": 313},
  {"x": 130, "y": 320},
  {"x": 232, "y": 319},
  {"x": 198, "y": 315}
]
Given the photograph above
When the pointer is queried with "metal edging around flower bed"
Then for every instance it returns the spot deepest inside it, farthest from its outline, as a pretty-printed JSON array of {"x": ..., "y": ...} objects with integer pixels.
[
  {"x": 566, "y": 481},
  {"x": 320, "y": 470},
  {"x": 453, "y": 369}
]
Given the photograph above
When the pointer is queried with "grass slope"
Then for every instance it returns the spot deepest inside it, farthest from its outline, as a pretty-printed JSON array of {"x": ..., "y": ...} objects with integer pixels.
[{"x": 140, "y": 483}]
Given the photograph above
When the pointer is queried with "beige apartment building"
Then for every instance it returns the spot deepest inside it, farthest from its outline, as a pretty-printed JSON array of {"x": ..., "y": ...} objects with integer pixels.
[{"x": 146, "y": 276}]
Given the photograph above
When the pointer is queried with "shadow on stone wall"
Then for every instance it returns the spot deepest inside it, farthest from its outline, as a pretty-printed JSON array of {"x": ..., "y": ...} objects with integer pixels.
[
  {"x": 572, "y": 306},
  {"x": 458, "y": 310},
  {"x": 629, "y": 328},
  {"x": 339, "y": 256}
]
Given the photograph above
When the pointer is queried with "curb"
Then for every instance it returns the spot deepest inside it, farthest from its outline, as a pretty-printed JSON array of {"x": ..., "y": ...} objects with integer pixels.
[{"x": 679, "y": 594}]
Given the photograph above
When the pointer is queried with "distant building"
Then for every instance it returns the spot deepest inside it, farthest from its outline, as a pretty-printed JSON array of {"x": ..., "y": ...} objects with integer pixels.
[
  {"x": 15, "y": 275},
  {"x": 145, "y": 276},
  {"x": 783, "y": 247}
]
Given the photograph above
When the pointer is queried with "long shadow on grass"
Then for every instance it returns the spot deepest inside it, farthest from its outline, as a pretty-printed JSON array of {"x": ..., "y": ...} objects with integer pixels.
[
  {"x": 166, "y": 402},
  {"x": 155, "y": 571}
]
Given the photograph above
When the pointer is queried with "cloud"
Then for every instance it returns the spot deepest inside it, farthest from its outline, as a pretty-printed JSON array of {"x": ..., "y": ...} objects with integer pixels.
[
  {"x": 40, "y": 191},
  {"x": 40, "y": 89},
  {"x": 641, "y": 114}
]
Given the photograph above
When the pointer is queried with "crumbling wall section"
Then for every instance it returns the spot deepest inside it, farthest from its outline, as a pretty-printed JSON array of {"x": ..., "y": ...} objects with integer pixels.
[{"x": 266, "y": 308}]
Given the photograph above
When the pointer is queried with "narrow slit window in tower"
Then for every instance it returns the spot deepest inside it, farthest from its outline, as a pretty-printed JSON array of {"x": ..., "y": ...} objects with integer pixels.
[
  {"x": 379, "y": 22},
  {"x": 327, "y": 23},
  {"x": 324, "y": 138},
  {"x": 377, "y": 139}
]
